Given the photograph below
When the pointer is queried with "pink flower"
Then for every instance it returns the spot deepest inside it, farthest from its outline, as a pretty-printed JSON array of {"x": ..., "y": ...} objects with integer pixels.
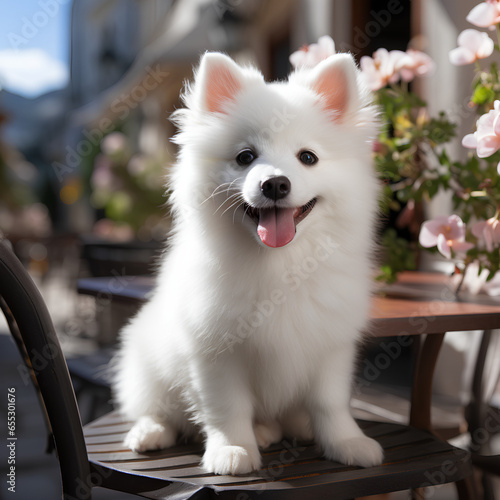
[
  {"x": 417, "y": 64},
  {"x": 486, "y": 139},
  {"x": 102, "y": 175},
  {"x": 489, "y": 232},
  {"x": 446, "y": 233},
  {"x": 486, "y": 14},
  {"x": 310, "y": 55},
  {"x": 113, "y": 143},
  {"x": 384, "y": 67},
  {"x": 377, "y": 147},
  {"x": 472, "y": 45}
]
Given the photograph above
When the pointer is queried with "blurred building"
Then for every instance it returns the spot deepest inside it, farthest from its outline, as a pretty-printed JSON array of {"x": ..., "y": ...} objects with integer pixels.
[{"x": 129, "y": 61}]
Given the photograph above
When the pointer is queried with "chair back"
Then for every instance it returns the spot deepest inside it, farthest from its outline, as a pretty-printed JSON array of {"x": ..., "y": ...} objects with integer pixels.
[{"x": 31, "y": 326}]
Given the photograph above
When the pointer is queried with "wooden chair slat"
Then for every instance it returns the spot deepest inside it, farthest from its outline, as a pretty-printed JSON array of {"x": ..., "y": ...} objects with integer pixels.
[
  {"x": 409, "y": 452},
  {"x": 108, "y": 430},
  {"x": 103, "y": 439}
]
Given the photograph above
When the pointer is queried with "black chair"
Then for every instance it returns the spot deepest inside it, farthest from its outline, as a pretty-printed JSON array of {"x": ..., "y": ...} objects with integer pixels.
[
  {"x": 95, "y": 456},
  {"x": 483, "y": 418}
]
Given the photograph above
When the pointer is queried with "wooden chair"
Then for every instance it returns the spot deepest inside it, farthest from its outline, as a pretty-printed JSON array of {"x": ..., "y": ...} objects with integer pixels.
[{"x": 95, "y": 455}]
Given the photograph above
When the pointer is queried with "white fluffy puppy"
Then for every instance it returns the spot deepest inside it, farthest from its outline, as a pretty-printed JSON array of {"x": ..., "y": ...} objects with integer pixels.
[{"x": 264, "y": 291}]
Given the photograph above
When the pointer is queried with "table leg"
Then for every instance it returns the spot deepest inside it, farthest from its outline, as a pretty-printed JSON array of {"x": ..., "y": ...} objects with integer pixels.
[
  {"x": 421, "y": 399},
  {"x": 421, "y": 396}
]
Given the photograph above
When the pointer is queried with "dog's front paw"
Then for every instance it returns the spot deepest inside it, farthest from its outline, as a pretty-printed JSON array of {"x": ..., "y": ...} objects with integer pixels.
[
  {"x": 231, "y": 460},
  {"x": 362, "y": 451},
  {"x": 268, "y": 433},
  {"x": 147, "y": 434}
]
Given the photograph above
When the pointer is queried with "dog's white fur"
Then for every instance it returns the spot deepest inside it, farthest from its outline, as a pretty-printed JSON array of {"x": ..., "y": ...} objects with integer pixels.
[{"x": 241, "y": 341}]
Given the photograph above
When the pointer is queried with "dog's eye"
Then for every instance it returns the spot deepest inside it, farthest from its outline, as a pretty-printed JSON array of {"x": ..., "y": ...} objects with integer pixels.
[
  {"x": 245, "y": 157},
  {"x": 308, "y": 157}
]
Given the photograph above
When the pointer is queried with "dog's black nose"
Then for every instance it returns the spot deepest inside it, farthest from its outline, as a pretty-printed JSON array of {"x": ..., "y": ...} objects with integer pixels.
[{"x": 276, "y": 188}]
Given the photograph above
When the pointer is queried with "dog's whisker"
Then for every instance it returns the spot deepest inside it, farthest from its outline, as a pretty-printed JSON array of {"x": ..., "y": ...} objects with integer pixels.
[
  {"x": 231, "y": 184},
  {"x": 245, "y": 212},
  {"x": 227, "y": 199},
  {"x": 234, "y": 213},
  {"x": 230, "y": 199},
  {"x": 226, "y": 186},
  {"x": 227, "y": 208},
  {"x": 223, "y": 187},
  {"x": 215, "y": 192},
  {"x": 238, "y": 202}
]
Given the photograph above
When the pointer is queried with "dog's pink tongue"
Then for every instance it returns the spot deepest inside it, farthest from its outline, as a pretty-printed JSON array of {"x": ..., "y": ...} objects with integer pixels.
[{"x": 276, "y": 226}]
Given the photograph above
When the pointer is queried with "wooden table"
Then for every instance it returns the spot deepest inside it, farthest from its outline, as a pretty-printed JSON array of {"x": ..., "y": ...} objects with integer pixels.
[
  {"x": 418, "y": 304},
  {"x": 425, "y": 304},
  {"x": 117, "y": 299}
]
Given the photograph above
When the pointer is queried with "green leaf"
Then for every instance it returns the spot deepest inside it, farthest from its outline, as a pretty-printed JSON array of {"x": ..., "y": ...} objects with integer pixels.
[
  {"x": 399, "y": 255},
  {"x": 483, "y": 95},
  {"x": 432, "y": 187},
  {"x": 444, "y": 159}
]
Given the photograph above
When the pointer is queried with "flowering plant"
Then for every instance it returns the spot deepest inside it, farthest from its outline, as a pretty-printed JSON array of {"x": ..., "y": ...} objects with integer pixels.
[
  {"x": 402, "y": 148},
  {"x": 124, "y": 187},
  {"x": 475, "y": 183},
  {"x": 406, "y": 153},
  {"x": 412, "y": 161}
]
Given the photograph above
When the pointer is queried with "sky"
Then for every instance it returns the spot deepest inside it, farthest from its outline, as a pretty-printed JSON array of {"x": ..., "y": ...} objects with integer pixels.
[{"x": 34, "y": 46}]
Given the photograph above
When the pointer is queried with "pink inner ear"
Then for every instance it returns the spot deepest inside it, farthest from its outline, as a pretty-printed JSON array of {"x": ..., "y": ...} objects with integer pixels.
[
  {"x": 222, "y": 86},
  {"x": 333, "y": 88}
]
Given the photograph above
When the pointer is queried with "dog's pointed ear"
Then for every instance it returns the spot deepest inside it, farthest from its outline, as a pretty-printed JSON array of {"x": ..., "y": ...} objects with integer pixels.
[
  {"x": 335, "y": 81},
  {"x": 219, "y": 79}
]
